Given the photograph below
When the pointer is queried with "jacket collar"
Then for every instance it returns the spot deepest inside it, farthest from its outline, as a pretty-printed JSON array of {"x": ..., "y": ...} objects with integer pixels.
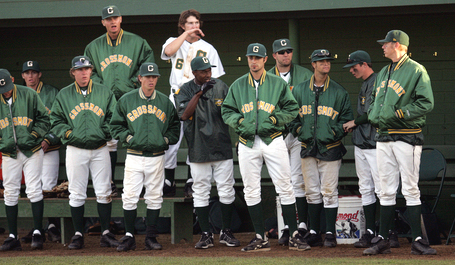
[
  {"x": 399, "y": 63},
  {"x": 119, "y": 38},
  {"x": 142, "y": 95},
  {"x": 326, "y": 83},
  {"x": 251, "y": 79},
  {"x": 89, "y": 88},
  {"x": 13, "y": 96}
]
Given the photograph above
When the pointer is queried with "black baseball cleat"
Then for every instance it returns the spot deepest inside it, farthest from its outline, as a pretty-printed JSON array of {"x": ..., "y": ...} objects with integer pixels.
[
  {"x": 188, "y": 188},
  {"x": 228, "y": 238},
  {"x": 11, "y": 243},
  {"x": 54, "y": 235},
  {"x": 206, "y": 241},
  {"x": 421, "y": 247},
  {"x": 284, "y": 239},
  {"x": 169, "y": 189},
  {"x": 127, "y": 243},
  {"x": 77, "y": 242},
  {"x": 37, "y": 241},
  {"x": 364, "y": 241},
  {"x": 393, "y": 239},
  {"x": 257, "y": 244},
  {"x": 108, "y": 241},
  {"x": 152, "y": 244},
  {"x": 330, "y": 241},
  {"x": 378, "y": 246},
  {"x": 28, "y": 238},
  {"x": 314, "y": 240},
  {"x": 297, "y": 242}
]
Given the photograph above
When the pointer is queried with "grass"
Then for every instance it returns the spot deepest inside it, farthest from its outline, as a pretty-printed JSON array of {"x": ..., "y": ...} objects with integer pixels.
[{"x": 112, "y": 260}]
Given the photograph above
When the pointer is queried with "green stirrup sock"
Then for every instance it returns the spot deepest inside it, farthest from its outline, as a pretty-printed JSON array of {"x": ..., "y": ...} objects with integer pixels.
[
  {"x": 314, "y": 212},
  {"x": 152, "y": 217},
  {"x": 11, "y": 216},
  {"x": 104, "y": 211},
  {"x": 257, "y": 217},
  {"x": 37, "y": 210},
  {"x": 330, "y": 219},
  {"x": 387, "y": 217},
  {"x": 203, "y": 218},
  {"x": 302, "y": 209},
  {"x": 130, "y": 219},
  {"x": 370, "y": 216},
  {"x": 414, "y": 213},
  {"x": 77, "y": 214},
  {"x": 226, "y": 214},
  {"x": 289, "y": 212}
]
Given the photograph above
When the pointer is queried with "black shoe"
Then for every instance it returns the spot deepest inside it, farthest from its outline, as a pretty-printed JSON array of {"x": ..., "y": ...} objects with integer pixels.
[
  {"x": 168, "y": 189},
  {"x": 188, "y": 188},
  {"x": 114, "y": 192},
  {"x": 330, "y": 241},
  {"x": 37, "y": 241},
  {"x": 421, "y": 247},
  {"x": 28, "y": 237},
  {"x": 302, "y": 231},
  {"x": 284, "y": 239},
  {"x": 378, "y": 246},
  {"x": 127, "y": 243},
  {"x": 227, "y": 238},
  {"x": 206, "y": 241},
  {"x": 393, "y": 239},
  {"x": 77, "y": 242},
  {"x": 108, "y": 241},
  {"x": 54, "y": 235},
  {"x": 364, "y": 241},
  {"x": 297, "y": 242},
  {"x": 314, "y": 240},
  {"x": 257, "y": 244},
  {"x": 11, "y": 243},
  {"x": 152, "y": 244}
]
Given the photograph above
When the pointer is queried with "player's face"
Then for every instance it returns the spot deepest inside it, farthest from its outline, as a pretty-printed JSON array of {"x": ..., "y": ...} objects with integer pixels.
[
  {"x": 202, "y": 76},
  {"x": 148, "y": 83},
  {"x": 389, "y": 49},
  {"x": 256, "y": 63},
  {"x": 357, "y": 70},
  {"x": 31, "y": 78},
  {"x": 321, "y": 67},
  {"x": 283, "y": 58},
  {"x": 82, "y": 76},
  {"x": 112, "y": 25},
  {"x": 191, "y": 23}
]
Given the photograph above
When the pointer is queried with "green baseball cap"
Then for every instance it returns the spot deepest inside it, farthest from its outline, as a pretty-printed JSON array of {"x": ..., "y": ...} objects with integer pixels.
[
  {"x": 256, "y": 49},
  {"x": 31, "y": 65},
  {"x": 281, "y": 44},
  {"x": 321, "y": 54},
  {"x": 201, "y": 63},
  {"x": 81, "y": 62},
  {"x": 149, "y": 69},
  {"x": 356, "y": 58},
  {"x": 6, "y": 82},
  {"x": 396, "y": 36},
  {"x": 110, "y": 11}
]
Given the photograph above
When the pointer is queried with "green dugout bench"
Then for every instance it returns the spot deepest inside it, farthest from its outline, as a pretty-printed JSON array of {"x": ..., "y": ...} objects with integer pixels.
[{"x": 179, "y": 209}]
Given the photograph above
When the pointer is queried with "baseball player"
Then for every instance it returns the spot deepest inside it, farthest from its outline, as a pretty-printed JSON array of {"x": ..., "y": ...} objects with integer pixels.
[
  {"x": 80, "y": 118},
  {"x": 23, "y": 124},
  {"x": 31, "y": 73},
  {"x": 257, "y": 106},
  {"x": 116, "y": 57},
  {"x": 402, "y": 98},
  {"x": 359, "y": 64},
  {"x": 209, "y": 147},
  {"x": 146, "y": 122},
  {"x": 324, "y": 108},
  {"x": 181, "y": 50},
  {"x": 293, "y": 74}
]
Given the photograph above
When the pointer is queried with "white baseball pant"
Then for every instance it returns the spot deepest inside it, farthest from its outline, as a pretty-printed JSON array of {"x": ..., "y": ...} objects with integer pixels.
[
  {"x": 294, "y": 147},
  {"x": 367, "y": 172},
  {"x": 81, "y": 162},
  {"x": 12, "y": 176},
  {"x": 49, "y": 173},
  {"x": 276, "y": 159},
  {"x": 321, "y": 181},
  {"x": 395, "y": 159},
  {"x": 141, "y": 171},
  {"x": 223, "y": 174}
]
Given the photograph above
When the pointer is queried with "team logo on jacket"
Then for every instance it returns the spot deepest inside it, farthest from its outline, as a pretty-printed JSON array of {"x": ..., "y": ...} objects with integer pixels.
[
  {"x": 146, "y": 109},
  {"x": 394, "y": 85},
  {"x": 322, "y": 110},
  {"x": 86, "y": 106},
  {"x": 116, "y": 58},
  {"x": 219, "y": 102}
]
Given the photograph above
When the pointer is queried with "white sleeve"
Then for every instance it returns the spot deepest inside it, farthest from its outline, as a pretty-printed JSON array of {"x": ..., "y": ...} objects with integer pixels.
[{"x": 163, "y": 55}]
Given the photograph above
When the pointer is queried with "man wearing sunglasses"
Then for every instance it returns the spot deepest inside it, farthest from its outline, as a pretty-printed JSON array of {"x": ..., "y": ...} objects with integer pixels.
[
  {"x": 363, "y": 133},
  {"x": 293, "y": 74},
  {"x": 324, "y": 108},
  {"x": 402, "y": 98}
]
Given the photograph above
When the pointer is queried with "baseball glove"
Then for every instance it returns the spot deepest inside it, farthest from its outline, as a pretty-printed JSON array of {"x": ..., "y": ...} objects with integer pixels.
[{"x": 59, "y": 191}]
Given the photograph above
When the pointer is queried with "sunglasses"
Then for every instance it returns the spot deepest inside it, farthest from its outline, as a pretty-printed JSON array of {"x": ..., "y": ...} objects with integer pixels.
[
  {"x": 82, "y": 63},
  {"x": 289, "y": 51},
  {"x": 322, "y": 53},
  {"x": 349, "y": 61}
]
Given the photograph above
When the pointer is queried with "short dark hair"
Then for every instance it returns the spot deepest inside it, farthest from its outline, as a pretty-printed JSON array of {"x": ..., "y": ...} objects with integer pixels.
[{"x": 185, "y": 15}]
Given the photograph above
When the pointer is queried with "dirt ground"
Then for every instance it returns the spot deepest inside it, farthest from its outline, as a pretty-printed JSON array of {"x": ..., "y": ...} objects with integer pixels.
[{"x": 187, "y": 249}]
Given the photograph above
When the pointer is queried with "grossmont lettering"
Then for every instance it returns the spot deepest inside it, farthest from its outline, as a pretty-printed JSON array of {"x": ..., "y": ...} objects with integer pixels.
[{"x": 146, "y": 109}]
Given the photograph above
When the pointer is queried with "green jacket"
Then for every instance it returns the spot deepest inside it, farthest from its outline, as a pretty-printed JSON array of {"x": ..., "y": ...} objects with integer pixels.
[
  {"x": 145, "y": 126},
  {"x": 117, "y": 66},
  {"x": 298, "y": 74},
  {"x": 401, "y": 99},
  {"x": 47, "y": 94},
  {"x": 83, "y": 121},
  {"x": 24, "y": 125},
  {"x": 320, "y": 120},
  {"x": 264, "y": 113}
]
